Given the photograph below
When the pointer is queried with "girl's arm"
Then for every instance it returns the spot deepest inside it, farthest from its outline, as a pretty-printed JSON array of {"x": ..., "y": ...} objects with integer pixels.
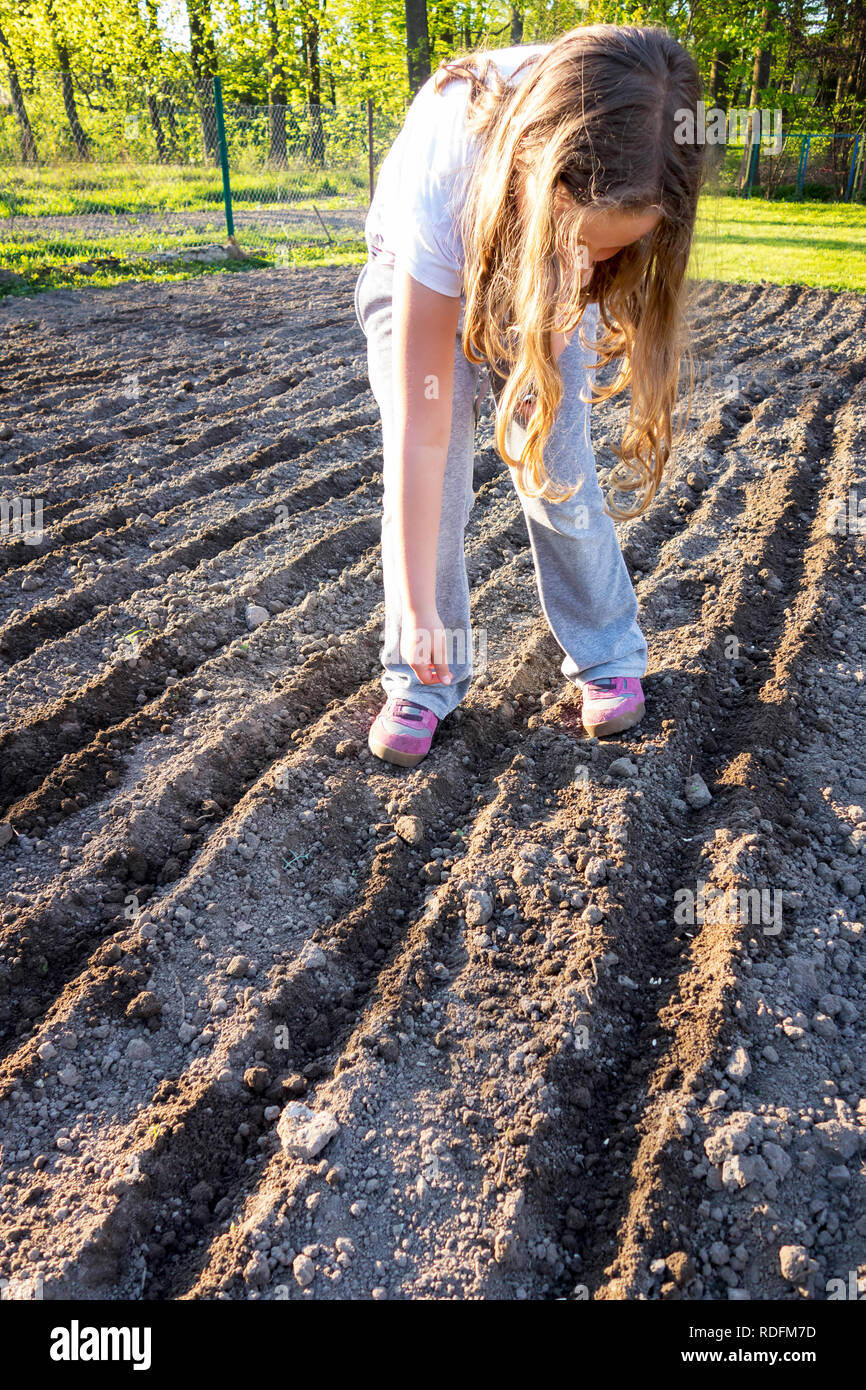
[{"x": 424, "y": 329}]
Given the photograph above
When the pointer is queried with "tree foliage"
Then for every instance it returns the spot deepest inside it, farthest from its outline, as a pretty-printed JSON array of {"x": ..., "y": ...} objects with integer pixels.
[{"x": 801, "y": 57}]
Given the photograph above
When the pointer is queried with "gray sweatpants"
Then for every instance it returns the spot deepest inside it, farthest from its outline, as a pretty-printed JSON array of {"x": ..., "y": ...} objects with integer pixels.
[{"x": 583, "y": 584}]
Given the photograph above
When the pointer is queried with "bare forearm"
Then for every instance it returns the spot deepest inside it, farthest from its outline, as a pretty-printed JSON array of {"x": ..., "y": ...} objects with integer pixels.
[{"x": 418, "y": 502}]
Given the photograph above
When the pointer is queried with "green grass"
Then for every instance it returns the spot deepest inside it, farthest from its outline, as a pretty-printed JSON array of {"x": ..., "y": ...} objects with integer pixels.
[
  {"x": 738, "y": 239},
  {"x": 129, "y": 191},
  {"x": 745, "y": 240},
  {"x": 142, "y": 209}
]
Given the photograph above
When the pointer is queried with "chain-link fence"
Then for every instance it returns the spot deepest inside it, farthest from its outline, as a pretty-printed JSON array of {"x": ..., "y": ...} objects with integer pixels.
[
  {"x": 160, "y": 170},
  {"x": 806, "y": 165},
  {"x": 108, "y": 170}
]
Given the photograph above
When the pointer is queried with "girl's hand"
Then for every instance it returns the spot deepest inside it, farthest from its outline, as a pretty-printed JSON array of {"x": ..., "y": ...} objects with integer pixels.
[{"x": 424, "y": 647}]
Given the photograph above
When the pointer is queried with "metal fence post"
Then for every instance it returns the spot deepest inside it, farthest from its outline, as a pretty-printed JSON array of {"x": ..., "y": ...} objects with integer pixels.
[
  {"x": 753, "y": 159},
  {"x": 224, "y": 157},
  {"x": 858, "y": 182},
  {"x": 850, "y": 189},
  {"x": 801, "y": 172}
]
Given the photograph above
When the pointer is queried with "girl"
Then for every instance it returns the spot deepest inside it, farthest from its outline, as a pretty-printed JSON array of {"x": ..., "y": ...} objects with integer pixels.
[{"x": 534, "y": 216}]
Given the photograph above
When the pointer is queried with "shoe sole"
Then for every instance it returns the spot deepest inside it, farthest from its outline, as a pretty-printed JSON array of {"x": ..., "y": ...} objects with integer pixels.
[
  {"x": 382, "y": 750},
  {"x": 617, "y": 725}
]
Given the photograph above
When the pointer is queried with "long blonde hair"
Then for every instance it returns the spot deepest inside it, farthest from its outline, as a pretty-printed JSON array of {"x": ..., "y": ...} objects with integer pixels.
[{"x": 594, "y": 120}]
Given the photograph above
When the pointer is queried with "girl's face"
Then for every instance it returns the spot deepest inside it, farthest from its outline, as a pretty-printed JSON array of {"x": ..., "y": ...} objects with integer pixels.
[{"x": 603, "y": 232}]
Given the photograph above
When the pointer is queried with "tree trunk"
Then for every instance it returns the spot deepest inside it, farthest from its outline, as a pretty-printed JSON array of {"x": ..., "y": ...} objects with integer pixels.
[
  {"x": 314, "y": 86},
  {"x": 760, "y": 79},
  {"x": 858, "y": 65},
  {"x": 276, "y": 94},
  {"x": 29, "y": 153},
  {"x": 146, "y": 32},
  {"x": 417, "y": 44},
  {"x": 446, "y": 26},
  {"x": 82, "y": 142},
  {"x": 720, "y": 71},
  {"x": 203, "y": 61},
  {"x": 160, "y": 106},
  {"x": 516, "y": 26}
]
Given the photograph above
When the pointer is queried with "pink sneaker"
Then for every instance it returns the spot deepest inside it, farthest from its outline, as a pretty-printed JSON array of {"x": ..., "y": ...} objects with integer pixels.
[
  {"x": 402, "y": 732},
  {"x": 611, "y": 704}
]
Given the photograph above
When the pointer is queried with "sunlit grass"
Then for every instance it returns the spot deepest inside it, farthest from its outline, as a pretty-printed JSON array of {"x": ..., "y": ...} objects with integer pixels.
[
  {"x": 146, "y": 209},
  {"x": 746, "y": 240},
  {"x": 125, "y": 191}
]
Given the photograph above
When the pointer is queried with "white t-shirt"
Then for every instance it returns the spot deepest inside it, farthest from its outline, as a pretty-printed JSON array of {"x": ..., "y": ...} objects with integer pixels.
[{"x": 413, "y": 215}]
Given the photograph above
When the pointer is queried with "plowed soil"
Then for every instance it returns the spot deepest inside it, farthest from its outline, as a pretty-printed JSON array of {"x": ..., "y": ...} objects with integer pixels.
[{"x": 549, "y": 1082}]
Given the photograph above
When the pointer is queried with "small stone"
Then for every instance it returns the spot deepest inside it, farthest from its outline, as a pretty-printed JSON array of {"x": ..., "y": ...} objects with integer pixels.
[
  {"x": 257, "y": 1271},
  {"x": 237, "y": 967},
  {"x": 304, "y": 1132},
  {"x": 839, "y": 1176},
  {"x": 5, "y": 833},
  {"x": 70, "y": 1076},
  {"x": 144, "y": 1006},
  {"x": 841, "y": 1140},
  {"x": 794, "y": 1263},
  {"x": 257, "y": 1079},
  {"x": 255, "y": 615},
  {"x": 46, "y": 1052},
  {"x": 803, "y": 976},
  {"x": 410, "y": 829},
  {"x": 479, "y": 907},
  {"x": 595, "y": 870},
  {"x": 696, "y": 792},
  {"x": 622, "y": 767},
  {"x": 739, "y": 1067},
  {"x": 778, "y": 1160},
  {"x": 738, "y": 1171},
  {"x": 137, "y": 1050},
  {"x": 304, "y": 1270},
  {"x": 575, "y": 1219},
  {"x": 388, "y": 1049},
  {"x": 681, "y": 1267},
  {"x": 312, "y": 957}
]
